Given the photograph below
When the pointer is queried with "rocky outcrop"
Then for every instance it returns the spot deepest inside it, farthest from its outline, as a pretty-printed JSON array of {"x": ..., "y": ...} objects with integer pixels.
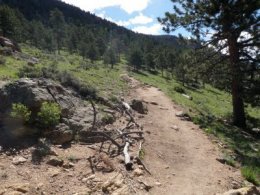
[
  {"x": 76, "y": 115},
  {"x": 243, "y": 191},
  {"x": 33, "y": 92},
  {"x": 5, "y": 42}
]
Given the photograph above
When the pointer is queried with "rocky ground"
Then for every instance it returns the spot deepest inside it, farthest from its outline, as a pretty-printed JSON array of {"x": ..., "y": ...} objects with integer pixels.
[{"x": 181, "y": 158}]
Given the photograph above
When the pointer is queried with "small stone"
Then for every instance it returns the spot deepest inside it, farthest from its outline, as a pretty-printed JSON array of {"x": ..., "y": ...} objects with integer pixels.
[
  {"x": 2, "y": 191},
  {"x": 54, "y": 172},
  {"x": 19, "y": 160},
  {"x": 84, "y": 180},
  {"x": 118, "y": 183},
  {"x": 175, "y": 127},
  {"x": 147, "y": 186},
  {"x": 68, "y": 165},
  {"x": 167, "y": 167},
  {"x": 138, "y": 172},
  {"x": 24, "y": 188},
  {"x": 243, "y": 191},
  {"x": 158, "y": 184},
  {"x": 91, "y": 177},
  {"x": 39, "y": 186},
  {"x": 180, "y": 114},
  {"x": 139, "y": 106},
  {"x": 141, "y": 167},
  {"x": 235, "y": 185},
  {"x": 54, "y": 161}
]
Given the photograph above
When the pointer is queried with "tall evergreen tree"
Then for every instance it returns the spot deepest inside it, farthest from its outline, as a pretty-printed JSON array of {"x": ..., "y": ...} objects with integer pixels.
[
  {"x": 110, "y": 57},
  {"x": 227, "y": 21},
  {"x": 92, "y": 52},
  {"x": 8, "y": 22},
  {"x": 136, "y": 59},
  {"x": 58, "y": 24},
  {"x": 149, "y": 61}
]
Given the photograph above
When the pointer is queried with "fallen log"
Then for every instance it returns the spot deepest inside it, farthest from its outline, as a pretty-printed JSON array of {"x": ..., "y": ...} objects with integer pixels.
[{"x": 187, "y": 96}]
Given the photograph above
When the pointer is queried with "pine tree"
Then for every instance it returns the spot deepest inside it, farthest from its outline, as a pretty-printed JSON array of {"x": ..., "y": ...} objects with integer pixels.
[
  {"x": 149, "y": 61},
  {"x": 227, "y": 21},
  {"x": 136, "y": 59},
  {"x": 58, "y": 25},
  {"x": 8, "y": 22},
  {"x": 110, "y": 57},
  {"x": 92, "y": 52}
]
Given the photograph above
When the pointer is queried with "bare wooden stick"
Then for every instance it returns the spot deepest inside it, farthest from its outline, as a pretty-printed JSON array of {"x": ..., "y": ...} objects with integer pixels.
[
  {"x": 128, "y": 162},
  {"x": 101, "y": 147},
  {"x": 140, "y": 149},
  {"x": 139, "y": 161},
  {"x": 94, "y": 115},
  {"x": 103, "y": 134},
  {"x": 91, "y": 164}
]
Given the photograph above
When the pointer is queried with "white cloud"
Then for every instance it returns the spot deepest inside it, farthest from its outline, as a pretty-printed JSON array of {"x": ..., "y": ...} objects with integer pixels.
[
  {"x": 141, "y": 19},
  {"x": 137, "y": 20},
  {"x": 155, "y": 29},
  {"x": 128, "y": 6}
]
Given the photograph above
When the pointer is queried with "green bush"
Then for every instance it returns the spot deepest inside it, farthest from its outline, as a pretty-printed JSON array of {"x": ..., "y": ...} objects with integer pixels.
[
  {"x": 250, "y": 173},
  {"x": 49, "y": 115},
  {"x": 108, "y": 119},
  {"x": 69, "y": 80},
  {"x": 30, "y": 72},
  {"x": 2, "y": 60},
  {"x": 20, "y": 112},
  {"x": 179, "y": 89}
]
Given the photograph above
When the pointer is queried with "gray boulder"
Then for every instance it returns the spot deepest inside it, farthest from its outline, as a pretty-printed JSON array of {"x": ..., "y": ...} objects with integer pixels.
[
  {"x": 33, "y": 92},
  {"x": 139, "y": 106},
  {"x": 76, "y": 114}
]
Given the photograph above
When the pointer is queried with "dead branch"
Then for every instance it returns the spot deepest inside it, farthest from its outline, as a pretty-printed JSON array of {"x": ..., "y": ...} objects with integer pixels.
[
  {"x": 94, "y": 115},
  {"x": 128, "y": 162},
  {"x": 103, "y": 134},
  {"x": 139, "y": 161},
  {"x": 91, "y": 164}
]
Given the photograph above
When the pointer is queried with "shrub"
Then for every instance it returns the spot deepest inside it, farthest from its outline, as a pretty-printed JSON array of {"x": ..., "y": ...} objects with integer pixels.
[
  {"x": 250, "y": 173},
  {"x": 30, "y": 72},
  {"x": 21, "y": 112},
  {"x": 49, "y": 115},
  {"x": 68, "y": 80},
  {"x": 179, "y": 89},
  {"x": 50, "y": 72},
  {"x": 114, "y": 99},
  {"x": 2, "y": 61},
  {"x": 108, "y": 119}
]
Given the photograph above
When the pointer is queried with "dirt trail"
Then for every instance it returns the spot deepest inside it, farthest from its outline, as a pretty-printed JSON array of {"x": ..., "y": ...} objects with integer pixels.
[{"x": 184, "y": 160}]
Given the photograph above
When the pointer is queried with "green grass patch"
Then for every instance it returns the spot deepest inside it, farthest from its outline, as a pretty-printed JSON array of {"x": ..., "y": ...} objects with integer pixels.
[
  {"x": 97, "y": 75},
  {"x": 250, "y": 173}
]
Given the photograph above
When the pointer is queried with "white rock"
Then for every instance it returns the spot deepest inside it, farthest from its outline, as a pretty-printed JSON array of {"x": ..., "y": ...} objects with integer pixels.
[
  {"x": 19, "y": 160},
  {"x": 138, "y": 172},
  {"x": 158, "y": 184}
]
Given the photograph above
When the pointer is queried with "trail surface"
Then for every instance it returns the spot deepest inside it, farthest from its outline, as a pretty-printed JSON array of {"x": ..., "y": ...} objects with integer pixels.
[{"x": 179, "y": 154}]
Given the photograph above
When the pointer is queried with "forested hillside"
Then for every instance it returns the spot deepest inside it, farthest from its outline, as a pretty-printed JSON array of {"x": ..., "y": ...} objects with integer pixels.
[
  {"x": 40, "y": 21},
  {"x": 89, "y": 68}
]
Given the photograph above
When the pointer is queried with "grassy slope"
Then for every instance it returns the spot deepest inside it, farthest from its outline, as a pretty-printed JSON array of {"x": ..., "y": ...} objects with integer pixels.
[
  {"x": 106, "y": 81},
  {"x": 208, "y": 108},
  {"x": 208, "y": 104}
]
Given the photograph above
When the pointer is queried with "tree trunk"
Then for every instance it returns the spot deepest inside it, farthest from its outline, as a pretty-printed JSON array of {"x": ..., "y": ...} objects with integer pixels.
[{"x": 239, "y": 118}]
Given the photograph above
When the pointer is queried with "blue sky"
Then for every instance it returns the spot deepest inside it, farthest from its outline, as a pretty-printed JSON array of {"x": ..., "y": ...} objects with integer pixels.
[{"x": 137, "y": 15}]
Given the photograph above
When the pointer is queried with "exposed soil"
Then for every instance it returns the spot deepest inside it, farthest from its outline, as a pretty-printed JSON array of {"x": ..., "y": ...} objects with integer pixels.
[
  {"x": 178, "y": 153},
  {"x": 180, "y": 156}
]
